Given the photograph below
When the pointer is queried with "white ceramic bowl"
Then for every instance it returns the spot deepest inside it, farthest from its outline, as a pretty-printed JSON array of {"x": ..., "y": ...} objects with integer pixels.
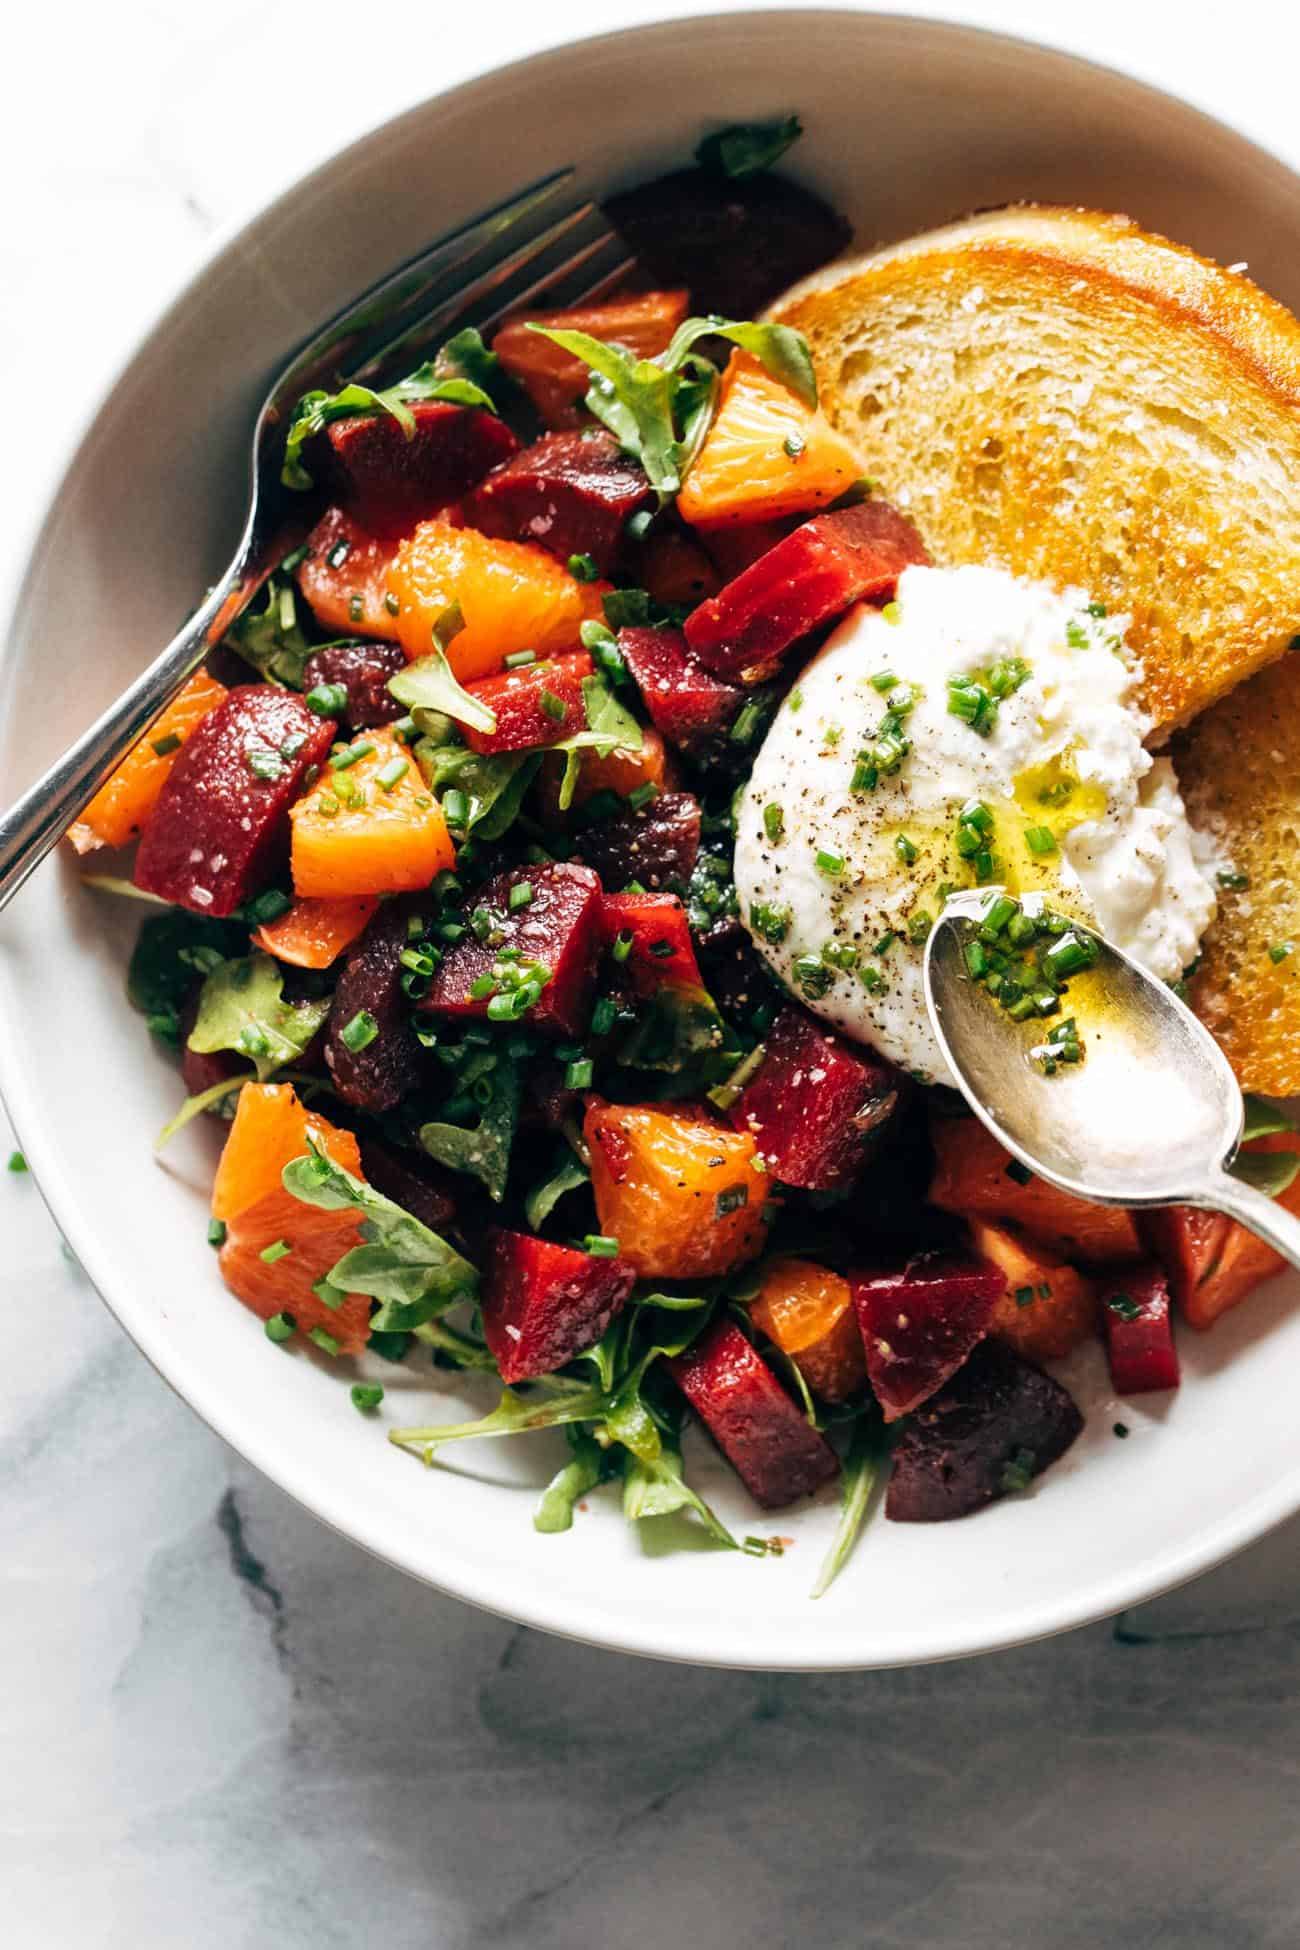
[{"x": 907, "y": 124}]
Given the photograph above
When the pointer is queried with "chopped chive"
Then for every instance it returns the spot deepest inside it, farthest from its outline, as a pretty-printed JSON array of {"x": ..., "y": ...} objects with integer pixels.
[
  {"x": 360, "y": 1032},
  {"x": 1040, "y": 839},
  {"x": 169, "y": 742},
  {"x": 520, "y": 895},
  {"x": 366, "y": 1395},
  {"x": 391, "y": 603},
  {"x": 278, "y": 1249},
  {"x": 1279, "y": 950},
  {"x": 1235, "y": 883},
  {"x": 600, "y": 1245},
  {"x": 520, "y": 659},
  {"x": 794, "y": 444},
  {"x": 582, "y": 568},
  {"x": 1024, "y": 1296},
  {"x": 263, "y": 763},
  {"x": 831, "y": 864},
  {"x": 555, "y": 707},
  {"x": 643, "y": 795},
  {"x": 578, "y": 1074},
  {"x": 604, "y": 1016},
  {"x": 622, "y": 946},
  {"x": 339, "y": 554},
  {"x": 1019, "y": 1174},
  {"x": 773, "y": 821},
  {"x": 419, "y": 961},
  {"x": 1121, "y": 1430},
  {"x": 905, "y": 850},
  {"x": 281, "y": 1327},
  {"x": 883, "y": 681},
  {"x": 389, "y": 775},
  {"x": 455, "y": 807},
  {"x": 662, "y": 949},
  {"x": 356, "y": 609},
  {"x": 732, "y": 1200},
  {"x": 749, "y": 721},
  {"x": 811, "y": 976},
  {"x": 1123, "y": 1306},
  {"x": 771, "y": 920},
  {"x": 481, "y": 987},
  {"x": 325, "y": 1342},
  {"x": 216, "y": 1232}
]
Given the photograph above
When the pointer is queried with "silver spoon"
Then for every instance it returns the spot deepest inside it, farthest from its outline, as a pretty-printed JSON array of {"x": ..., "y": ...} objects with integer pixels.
[{"x": 1152, "y": 1115}]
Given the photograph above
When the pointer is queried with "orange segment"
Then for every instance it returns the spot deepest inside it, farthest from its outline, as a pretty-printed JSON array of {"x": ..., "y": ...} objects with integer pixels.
[
  {"x": 766, "y": 454},
  {"x": 270, "y": 1129},
  {"x": 808, "y": 1311},
  {"x": 344, "y": 577},
  {"x": 314, "y": 933},
  {"x": 682, "y": 1195},
  {"x": 554, "y": 379},
  {"x": 368, "y": 829},
  {"x": 119, "y": 809},
  {"x": 620, "y": 772},
  {"x": 512, "y": 595},
  {"x": 1048, "y": 1307}
]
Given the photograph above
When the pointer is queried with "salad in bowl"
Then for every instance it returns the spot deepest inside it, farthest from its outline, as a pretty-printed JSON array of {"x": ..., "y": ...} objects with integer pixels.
[{"x": 546, "y": 860}]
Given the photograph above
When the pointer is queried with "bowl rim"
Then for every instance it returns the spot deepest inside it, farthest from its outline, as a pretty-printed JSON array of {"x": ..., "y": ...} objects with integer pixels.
[{"x": 500, "y": 1590}]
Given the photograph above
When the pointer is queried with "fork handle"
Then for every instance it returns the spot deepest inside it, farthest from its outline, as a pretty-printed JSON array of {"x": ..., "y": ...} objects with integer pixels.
[{"x": 37, "y": 821}]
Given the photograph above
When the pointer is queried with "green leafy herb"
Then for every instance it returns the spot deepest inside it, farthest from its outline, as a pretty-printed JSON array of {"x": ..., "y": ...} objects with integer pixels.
[
  {"x": 1018, "y": 1472},
  {"x": 583, "y": 1471},
  {"x": 568, "y": 1173},
  {"x": 315, "y": 410},
  {"x": 1123, "y": 1306},
  {"x": 1264, "y": 1119},
  {"x": 271, "y": 639},
  {"x": 171, "y": 951},
  {"x": 493, "y": 784},
  {"x": 747, "y": 148},
  {"x": 465, "y": 356},
  {"x": 17, "y": 1162},
  {"x": 485, "y": 1150},
  {"x": 609, "y": 728},
  {"x": 402, "y": 1263},
  {"x": 1271, "y": 1172},
  {"x": 658, "y": 1488},
  {"x": 860, "y": 1474},
  {"x": 241, "y": 1007},
  {"x": 674, "y": 1029},
  {"x": 432, "y": 685}
]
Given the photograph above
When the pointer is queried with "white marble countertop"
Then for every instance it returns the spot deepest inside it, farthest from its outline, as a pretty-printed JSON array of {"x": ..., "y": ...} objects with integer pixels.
[{"x": 220, "y": 1726}]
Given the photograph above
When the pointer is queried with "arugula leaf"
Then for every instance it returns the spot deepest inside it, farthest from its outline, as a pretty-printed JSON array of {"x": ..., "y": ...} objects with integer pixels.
[
  {"x": 432, "y": 685},
  {"x": 674, "y": 1029},
  {"x": 242, "y": 1008},
  {"x": 1264, "y": 1119},
  {"x": 195, "y": 1106},
  {"x": 659, "y": 410},
  {"x": 659, "y": 1489},
  {"x": 465, "y": 356},
  {"x": 609, "y": 728},
  {"x": 778, "y": 347},
  {"x": 315, "y": 410},
  {"x": 1272, "y": 1172},
  {"x": 483, "y": 1151},
  {"x": 494, "y": 783},
  {"x": 462, "y": 1350},
  {"x": 409, "y": 1268},
  {"x": 860, "y": 1473},
  {"x": 747, "y": 148},
  {"x": 271, "y": 638},
  {"x": 514, "y": 1414},
  {"x": 584, "y": 1470},
  {"x": 567, "y": 1175},
  {"x": 169, "y": 953}
]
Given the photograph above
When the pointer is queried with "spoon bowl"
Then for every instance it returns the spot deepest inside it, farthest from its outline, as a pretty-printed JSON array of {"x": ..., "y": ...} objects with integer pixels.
[{"x": 1151, "y": 1115}]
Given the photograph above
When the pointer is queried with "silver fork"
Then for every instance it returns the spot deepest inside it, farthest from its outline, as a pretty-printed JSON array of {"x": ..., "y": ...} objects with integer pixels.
[{"x": 535, "y": 249}]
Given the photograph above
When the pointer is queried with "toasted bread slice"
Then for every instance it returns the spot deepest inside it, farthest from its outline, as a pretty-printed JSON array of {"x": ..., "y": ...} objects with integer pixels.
[
  {"x": 1061, "y": 393},
  {"x": 1239, "y": 766}
]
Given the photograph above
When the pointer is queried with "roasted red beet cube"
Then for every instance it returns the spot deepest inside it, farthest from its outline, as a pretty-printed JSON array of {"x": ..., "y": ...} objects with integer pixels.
[
  {"x": 816, "y": 1103},
  {"x": 558, "y": 929},
  {"x": 764, "y": 1437},
  {"x": 1139, "y": 1326},
  {"x": 220, "y": 829},
  {"x": 390, "y": 480},
  {"x": 377, "y": 1076},
  {"x": 999, "y": 1423},
  {"x": 690, "y": 706},
  {"x": 806, "y": 580},
  {"x": 411, "y": 1180},
  {"x": 657, "y": 844},
  {"x": 920, "y": 1321},
  {"x": 543, "y": 1304},
  {"x": 363, "y": 669},
  {"x": 538, "y": 705},
  {"x": 571, "y": 493},
  {"x": 737, "y": 546},
  {"x": 650, "y": 938}
]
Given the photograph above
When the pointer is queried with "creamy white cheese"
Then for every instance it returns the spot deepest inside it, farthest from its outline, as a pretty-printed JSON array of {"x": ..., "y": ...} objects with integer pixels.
[{"x": 1064, "y": 758}]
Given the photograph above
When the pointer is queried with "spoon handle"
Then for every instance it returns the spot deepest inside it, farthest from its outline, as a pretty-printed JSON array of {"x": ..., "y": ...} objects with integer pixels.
[{"x": 1263, "y": 1215}]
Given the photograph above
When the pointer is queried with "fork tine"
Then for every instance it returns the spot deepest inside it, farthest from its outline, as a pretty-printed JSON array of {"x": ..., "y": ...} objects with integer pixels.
[
  {"x": 396, "y": 302},
  {"x": 498, "y": 288},
  {"x": 587, "y": 275}
]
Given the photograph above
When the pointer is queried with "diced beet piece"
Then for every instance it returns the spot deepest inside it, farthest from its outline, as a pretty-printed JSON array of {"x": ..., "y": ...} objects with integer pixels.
[
  {"x": 537, "y": 705},
  {"x": 998, "y": 1421},
  {"x": 687, "y": 704},
  {"x": 658, "y": 844},
  {"x": 673, "y": 566},
  {"x": 816, "y": 1103},
  {"x": 543, "y": 1304},
  {"x": 389, "y": 481},
  {"x": 764, "y": 1437},
  {"x": 571, "y": 493},
  {"x": 805, "y": 581},
  {"x": 219, "y": 831},
  {"x": 920, "y": 1321},
  {"x": 411, "y": 1180},
  {"x": 377, "y": 1076},
  {"x": 738, "y": 245},
  {"x": 363, "y": 669},
  {"x": 1211, "y": 1262},
  {"x": 658, "y": 934},
  {"x": 1139, "y": 1325},
  {"x": 735, "y": 976},
  {"x": 560, "y": 928},
  {"x": 737, "y": 546}
]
